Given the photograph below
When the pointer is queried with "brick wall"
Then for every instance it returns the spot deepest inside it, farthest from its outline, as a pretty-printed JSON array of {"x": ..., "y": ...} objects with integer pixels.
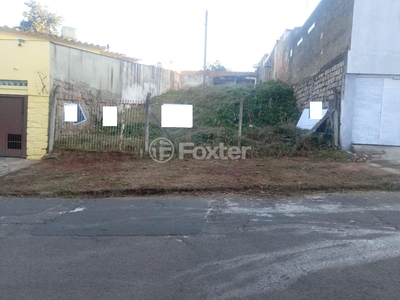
[{"x": 321, "y": 86}]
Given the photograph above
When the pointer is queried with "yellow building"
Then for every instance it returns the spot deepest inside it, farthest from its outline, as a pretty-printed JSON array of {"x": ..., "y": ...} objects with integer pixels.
[
  {"x": 25, "y": 89},
  {"x": 24, "y": 94},
  {"x": 39, "y": 73}
]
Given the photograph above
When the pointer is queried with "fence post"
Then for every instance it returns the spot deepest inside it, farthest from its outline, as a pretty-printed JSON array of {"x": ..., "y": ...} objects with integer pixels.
[
  {"x": 121, "y": 137},
  {"x": 52, "y": 123},
  {"x": 240, "y": 123},
  {"x": 146, "y": 137}
]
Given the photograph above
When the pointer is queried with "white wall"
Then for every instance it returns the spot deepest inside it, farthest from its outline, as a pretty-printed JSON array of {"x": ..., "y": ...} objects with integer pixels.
[
  {"x": 375, "y": 44},
  {"x": 347, "y": 110},
  {"x": 375, "y": 53}
]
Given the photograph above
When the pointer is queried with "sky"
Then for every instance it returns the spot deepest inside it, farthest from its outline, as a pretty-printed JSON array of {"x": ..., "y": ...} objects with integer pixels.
[{"x": 172, "y": 32}]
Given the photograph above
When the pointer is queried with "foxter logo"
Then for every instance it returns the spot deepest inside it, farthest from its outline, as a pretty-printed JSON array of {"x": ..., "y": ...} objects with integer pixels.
[
  {"x": 162, "y": 150},
  {"x": 208, "y": 152}
]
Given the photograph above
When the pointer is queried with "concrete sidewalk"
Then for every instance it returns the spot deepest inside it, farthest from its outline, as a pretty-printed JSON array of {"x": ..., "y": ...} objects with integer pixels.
[
  {"x": 384, "y": 157},
  {"x": 12, "y": 164}
]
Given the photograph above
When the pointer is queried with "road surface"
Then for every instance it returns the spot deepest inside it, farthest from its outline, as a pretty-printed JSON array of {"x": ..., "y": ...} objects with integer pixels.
[{"x": 205, "y": 247}]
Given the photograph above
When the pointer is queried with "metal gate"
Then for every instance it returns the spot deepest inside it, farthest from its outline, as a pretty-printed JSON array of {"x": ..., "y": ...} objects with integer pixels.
[
  {"x": 88, "y": 133},
  {"x": 13, "y": 126},
  {"x": 376, "y": 117}
]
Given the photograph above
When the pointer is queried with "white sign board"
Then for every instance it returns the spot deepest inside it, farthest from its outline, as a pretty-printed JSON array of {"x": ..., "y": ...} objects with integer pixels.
[
  {"x": 305, "y": 122},
  {"x": 110, "y": 115},
  {"x": 315, "y": 110},
  {"x": 177, "y": 115},
  {"x": 70, "y": 112}
]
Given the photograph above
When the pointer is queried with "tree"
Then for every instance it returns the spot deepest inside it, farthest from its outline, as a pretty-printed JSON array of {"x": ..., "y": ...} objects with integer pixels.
[
  {"x": 216, "y": 66},
  {"x": 38, "y": 19}
]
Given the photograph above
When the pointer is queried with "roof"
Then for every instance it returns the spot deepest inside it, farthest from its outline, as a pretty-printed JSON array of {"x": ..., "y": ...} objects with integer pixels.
[
  {"x": 219, "y": 73},
  {"x": 102, "y": 50}
]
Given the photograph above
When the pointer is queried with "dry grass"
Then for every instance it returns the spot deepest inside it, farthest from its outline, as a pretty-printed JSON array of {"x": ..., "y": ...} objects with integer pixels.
[{"x": 115, "y": 174}]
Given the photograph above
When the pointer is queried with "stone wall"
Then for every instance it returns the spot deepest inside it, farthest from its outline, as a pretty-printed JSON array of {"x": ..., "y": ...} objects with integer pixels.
[{"x": 321, "y": 87}]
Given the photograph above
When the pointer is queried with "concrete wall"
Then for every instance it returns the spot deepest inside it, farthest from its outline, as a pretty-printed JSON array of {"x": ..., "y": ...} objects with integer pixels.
[
  {"x": 195, "y": 78},
  {"x": 375, "y": 45},
  {"x": 101, "y": 77},
  {"x": 29, "y": 62}
]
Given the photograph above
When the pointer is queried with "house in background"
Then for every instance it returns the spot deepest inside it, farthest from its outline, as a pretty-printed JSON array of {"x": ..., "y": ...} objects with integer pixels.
[
  {"x": 195, "y": 78},
  {"x": 37, "y": 70},
  {"x": 349, "y": 49}
]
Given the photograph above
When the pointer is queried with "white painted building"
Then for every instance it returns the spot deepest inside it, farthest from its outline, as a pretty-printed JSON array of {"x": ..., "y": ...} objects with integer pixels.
[{"x": 370, "y": 111}]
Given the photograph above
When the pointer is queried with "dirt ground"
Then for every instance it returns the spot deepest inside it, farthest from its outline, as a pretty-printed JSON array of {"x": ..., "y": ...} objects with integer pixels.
[{"x": 89, "y": 174}]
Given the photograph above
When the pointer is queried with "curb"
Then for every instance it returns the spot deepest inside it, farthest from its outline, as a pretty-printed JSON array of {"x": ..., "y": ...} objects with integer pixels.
[
  {"x": 275, "y": 190},
  {"x": 4, "y": 169},
  {"x": 387, "y": 169}
]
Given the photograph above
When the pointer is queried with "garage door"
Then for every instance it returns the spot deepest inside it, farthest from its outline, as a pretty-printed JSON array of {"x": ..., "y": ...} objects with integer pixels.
[
  {"x": 13, "y": 126},
  {"x": 376, "y": 119}
]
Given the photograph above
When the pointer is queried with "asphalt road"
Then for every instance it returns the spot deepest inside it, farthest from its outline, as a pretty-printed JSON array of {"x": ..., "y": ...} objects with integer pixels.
[{"x": 211, "y": 247}]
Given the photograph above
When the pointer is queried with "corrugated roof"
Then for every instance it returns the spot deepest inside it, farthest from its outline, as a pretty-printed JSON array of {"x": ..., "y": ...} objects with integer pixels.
[{"x": 102, "y": 50}]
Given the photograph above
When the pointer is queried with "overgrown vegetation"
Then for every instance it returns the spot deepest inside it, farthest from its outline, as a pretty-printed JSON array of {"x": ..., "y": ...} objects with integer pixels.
[
  {"x": 269, "y": 118},
  {"x": 269, "y": 122}
]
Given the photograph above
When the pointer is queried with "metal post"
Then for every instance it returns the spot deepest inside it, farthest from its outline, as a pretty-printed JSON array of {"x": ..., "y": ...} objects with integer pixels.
[
  {"x": 121, "y": 136},
  {"x": 52, "y": 117},
  {"x": 146, "y": 137},
  {"x": 205, "y": 50},
  {"x": 240, "y": 123},
  {"x": 336, "y": 118}
]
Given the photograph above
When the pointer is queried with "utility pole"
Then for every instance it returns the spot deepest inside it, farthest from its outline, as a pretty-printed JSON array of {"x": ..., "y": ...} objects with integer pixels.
[{"x": 205, "y": 50}]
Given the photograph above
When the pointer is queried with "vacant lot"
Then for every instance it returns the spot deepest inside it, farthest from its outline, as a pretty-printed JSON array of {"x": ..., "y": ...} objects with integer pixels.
[{"x": 89, "y": 174}]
